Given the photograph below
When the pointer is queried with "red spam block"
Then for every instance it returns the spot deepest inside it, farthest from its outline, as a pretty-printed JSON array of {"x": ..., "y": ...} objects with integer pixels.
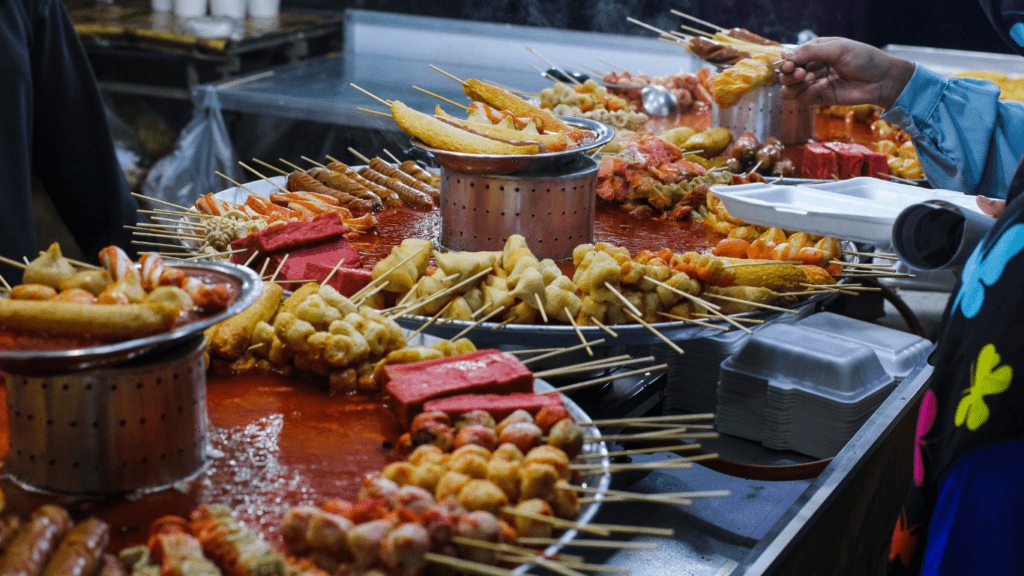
[
  {"x": 876, "y": 164},
  {"x": 820, "y": 163},
  {"x": 345, "y": 280},
  {"x": 499, "y": 405},
  {"x": 850, "y": 160},
  {"x": 294, "y": 235},
  {"x": 327, "y": 254},
  {"x": 408, "y": 386}
]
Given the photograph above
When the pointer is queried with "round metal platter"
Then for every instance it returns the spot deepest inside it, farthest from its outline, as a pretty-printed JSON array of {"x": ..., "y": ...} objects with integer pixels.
[
  {"x": 495, "y": 164},
  {"x": 247, "y": 288},
  {"x": 545, "y": 335}
]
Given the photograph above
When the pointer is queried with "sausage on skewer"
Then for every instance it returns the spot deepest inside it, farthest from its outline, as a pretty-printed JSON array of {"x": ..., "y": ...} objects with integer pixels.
[
  {"x": 80, "y": 553},
  {"x": 36, "y": 541},
  {"x": 389, "y": 196},
  {"x": 413, "y": 169},
  {"x": 410, "y": 196},
  {"x": 341, "y": 182},
  {"x": 396, "y": 174},
  {"x": 302, "y": 182}
]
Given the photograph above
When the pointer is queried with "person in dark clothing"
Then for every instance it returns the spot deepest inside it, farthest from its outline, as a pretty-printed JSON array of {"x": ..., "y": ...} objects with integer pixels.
[
  {"x": 964, "y": 513},
  {"x": 53, "y": 127}
]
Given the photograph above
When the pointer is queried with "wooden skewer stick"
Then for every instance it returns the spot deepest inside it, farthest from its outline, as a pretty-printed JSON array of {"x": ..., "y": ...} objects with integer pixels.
[
  {"x": 371, "y": 95},
  {"x": 504, "y": 323},
  {"x": 627, "y": 303},
  {"x": 696, "y": 30},
  {"x": 333, "y": 270},
  {"x": 552, "y": 64},
  {"x": 640, "y": 451},
  {"x": 439, "y": 97},
  {"x": 466, "y": 565},
  {"x": 81, "y": 264},
  {"x": 14, "y": 263},
  {"x": 656, "y": 465},
  {"x": 870, "y": 267},
  {"x": 178, "y": 214},
  {"x": 556, "y": 521},
  {"x": 589, "y": 544},
  {"x": 699, "y": 301},
  {"x": 867, "y": 274},
  {"x": 898, "y": 179},
  {"x": 543, "y": 72},
  {"x": 157, "y": 227},
  {"x": 6, "y": 285},
  {"x": 280, "y": 266},
  {"x": 263, "y": 270},
  {"x": 253, "y": 170},
  {"x": 431, "y": 321},
  {"x": 290, "y": 165},
  {"x": 436, "y": 69},
  {"x": 673, "y": 40},
  {"x": 601, "y": 325},
  {"x": 255, "y": 253},
  {"x": 634, "y": 467},
  {"x": 374, "y": 112},
  {"x": 518, "y": 558},
  {"x": 730, "y": 319},
  {"x": 607, "y": 63},
  {"x": 175, "y": 246},
  {"x": 534, "y": 351},
  {"x": 657, "y": 333},
  {"x": 216, "y": 254},
  {"x": 604, "y": 379},
  {"x": 593, "y": 70},
  {"x": 166, "y": 233},
  {"x": 755, "y": 304},
  {"x": 576, "y": 327},
  {"x": 392, "y": 156},
  {"x": 182, "y": 208},
  {"x": 854, "y": 287},
  {"x": 180, "y": 221},
  {"x": 665, "y": 495},
  {"x": 563, "y": 351},
  {"x": 879, "y": 255},
  {"x": 267, "y": 165},
  {"x": 670, "y": 418},
  {"x": 358, "y": 155},
  {"x": 413, "y": 305},
  {"x": 692, "y": 321},
  {"x": 698, "y": 20},
  {"x": 25, "y": 259},
  {"x": 238, "y": 184},
  {"x": 510, "y": 549},
  {"x": 595, "y": 365},
  {"x": 477, "y": 323},
  {"x": 648, "y": 26},
  {"x": 540, "y": 307},
  {"x": 679, "y": 433},
  {"x": 380, "y": 278}
]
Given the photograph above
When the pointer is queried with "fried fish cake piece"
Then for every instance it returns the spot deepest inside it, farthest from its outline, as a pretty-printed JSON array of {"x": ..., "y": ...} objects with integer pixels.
[{"x": 438, "y": 134}]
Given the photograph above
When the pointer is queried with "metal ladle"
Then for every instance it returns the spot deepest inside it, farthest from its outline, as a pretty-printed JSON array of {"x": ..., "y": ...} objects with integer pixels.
[{"x": 658, "y": 100}]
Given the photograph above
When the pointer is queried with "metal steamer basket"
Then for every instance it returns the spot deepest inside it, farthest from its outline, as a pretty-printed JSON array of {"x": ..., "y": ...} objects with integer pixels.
[
  {"x": 765, "y": 113},
  {"x": 553, "y": 207},
  {"x": 139, "y": 425}
]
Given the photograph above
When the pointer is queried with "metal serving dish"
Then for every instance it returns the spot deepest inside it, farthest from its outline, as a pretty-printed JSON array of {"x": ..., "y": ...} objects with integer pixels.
[
  {"x": 495, "y": 164},
  {"x": 247, "y": 287}
]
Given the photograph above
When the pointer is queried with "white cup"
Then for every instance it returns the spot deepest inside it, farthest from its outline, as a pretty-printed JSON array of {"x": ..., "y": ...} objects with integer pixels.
[
  {"x": 228, "y": 8},
  {"x": 190, "y": 8},
  {"x": 264, "y": 8},
  {"x": 163, "y": 5}
]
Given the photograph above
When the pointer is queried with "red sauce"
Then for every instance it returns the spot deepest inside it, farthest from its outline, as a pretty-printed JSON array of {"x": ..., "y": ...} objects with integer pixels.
[
  {"x": 281, "y": 443},
  {"x": 24, "y": 341}
]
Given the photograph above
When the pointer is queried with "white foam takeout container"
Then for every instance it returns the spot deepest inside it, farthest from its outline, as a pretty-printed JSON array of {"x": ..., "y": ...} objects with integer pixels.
[{"x": 861, "y": 209}]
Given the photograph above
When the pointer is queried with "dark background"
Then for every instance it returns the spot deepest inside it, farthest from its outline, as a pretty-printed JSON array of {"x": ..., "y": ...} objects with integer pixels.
[{"x": 940, "y": 23}]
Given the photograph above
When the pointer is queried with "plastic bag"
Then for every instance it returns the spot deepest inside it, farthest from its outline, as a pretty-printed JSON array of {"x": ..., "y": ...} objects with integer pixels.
[{"x": 203, "y": 147}]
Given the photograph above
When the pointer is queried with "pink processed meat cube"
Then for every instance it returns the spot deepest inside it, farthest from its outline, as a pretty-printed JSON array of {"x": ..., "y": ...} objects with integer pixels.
[
  {"x": 876, "y": 164},
  {"x": 328, "y": 254},
  {"x": 499, "y": 405},
  {"x": 819, "y": 162},
  {"x": 345, "y": 280},
  {"x": 297, "y": 234},
  {"x": 851, "y": 161},
  {"x": 480, "y": 372}
]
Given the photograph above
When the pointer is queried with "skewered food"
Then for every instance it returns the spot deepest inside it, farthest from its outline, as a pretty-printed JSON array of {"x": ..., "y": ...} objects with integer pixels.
[
  {"x": 438, "y": 134},
  {"x": 593, "y": 101},
  {"x": 741, "y": 79}
]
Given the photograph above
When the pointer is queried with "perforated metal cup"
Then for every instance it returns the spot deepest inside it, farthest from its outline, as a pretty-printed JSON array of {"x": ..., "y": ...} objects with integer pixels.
[
  {"x": 765, "y": 113},
  {"x": 552, "y": 208},
  {"x": 139, "y": 425}
]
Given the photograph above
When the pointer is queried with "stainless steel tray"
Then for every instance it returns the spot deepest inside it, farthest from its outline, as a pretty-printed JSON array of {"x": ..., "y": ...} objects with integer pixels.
[
  {"x": 494, "y": 164},
  {"x": 247, "y": 287}
]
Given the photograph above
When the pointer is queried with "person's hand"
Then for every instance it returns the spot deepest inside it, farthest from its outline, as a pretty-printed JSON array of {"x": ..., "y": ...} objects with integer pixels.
[
  {"x": 992, "y": 206},
  {"x": 838, "y": 71}
]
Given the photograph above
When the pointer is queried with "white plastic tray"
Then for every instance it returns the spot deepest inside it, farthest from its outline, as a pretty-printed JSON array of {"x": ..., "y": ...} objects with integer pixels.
[{"x": 861, "y": 209}]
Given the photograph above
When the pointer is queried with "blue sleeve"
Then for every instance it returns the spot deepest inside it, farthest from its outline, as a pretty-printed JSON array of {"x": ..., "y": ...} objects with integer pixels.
[
  {"x": 977, "y": 526},
  {"x": 966, "y": 138}
]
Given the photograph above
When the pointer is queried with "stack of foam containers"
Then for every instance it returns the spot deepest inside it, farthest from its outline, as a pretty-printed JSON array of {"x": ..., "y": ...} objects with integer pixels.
[
  {"x": 810, "y": 386},
  {"x": 693, "y": 376}
]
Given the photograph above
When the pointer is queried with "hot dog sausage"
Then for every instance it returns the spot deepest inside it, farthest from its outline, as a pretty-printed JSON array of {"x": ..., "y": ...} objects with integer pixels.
[
  {"x": 748, "y": 36},
  {"x": 410, "y": 196},
  {"x": 80, "y": 551},
  {"x": 302, "y": 182},
  {"x": 341, "y": 182},
  {"x": 389, "y": 196},
  {"x": 413, "y": 169},
  {"x": 745, "y": 147},
  {"x": 714, "y": 52},
  {"x": 396, "y": 174},
  {"x": 35, "y": 541}
]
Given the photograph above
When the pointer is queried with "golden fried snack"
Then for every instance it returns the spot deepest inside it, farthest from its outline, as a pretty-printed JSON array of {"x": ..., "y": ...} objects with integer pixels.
[
  {"x": 551, "y": 142},
  {"x": 505, "y": 100},
  {"x": 434, "y": 132},
  {"x": 753, "y": 294},
  {"x": 741, "y": 79},
  {"x": 774, "y": 276},
  {"x": 298, "y": 297},
  {"x": 710, "y": 142},
  {"x": 110, "y": 322},
  {"x": 233, "y": 335},
  {"x": 678, "y": 135}
]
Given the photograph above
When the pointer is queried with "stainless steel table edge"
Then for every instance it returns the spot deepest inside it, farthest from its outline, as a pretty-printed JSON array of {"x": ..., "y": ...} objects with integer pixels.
[{"x": 781, "y": 539}]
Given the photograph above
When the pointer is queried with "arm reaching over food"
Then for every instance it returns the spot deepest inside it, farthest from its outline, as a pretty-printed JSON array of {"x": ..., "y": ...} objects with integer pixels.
[{"x": 976, "y": 156}]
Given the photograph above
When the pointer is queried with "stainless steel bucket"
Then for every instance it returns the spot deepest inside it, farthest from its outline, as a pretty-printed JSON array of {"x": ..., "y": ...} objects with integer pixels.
[
  {"x": 553, "y": 208},
  {"x": 139, "y": 425},
  {"x": 765, "y": 113}
]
